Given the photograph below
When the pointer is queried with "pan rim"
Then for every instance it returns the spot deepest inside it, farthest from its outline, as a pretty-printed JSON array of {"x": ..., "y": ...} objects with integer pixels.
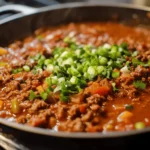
[
  {"x": 80, "y": 135},
  {"x": 75, "y": 5}
]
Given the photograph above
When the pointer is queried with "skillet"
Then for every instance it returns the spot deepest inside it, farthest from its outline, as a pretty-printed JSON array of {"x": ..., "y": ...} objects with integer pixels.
[{"x": 24, "y": 23}]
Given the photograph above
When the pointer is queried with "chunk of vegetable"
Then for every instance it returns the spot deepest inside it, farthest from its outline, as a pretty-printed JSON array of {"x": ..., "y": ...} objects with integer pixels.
[
  {"x": 108, "y": 127},
  {"x": 40, "y": 89},
  {"x": 1, "y": 104},
  {"x": 103, "y": 61},
  {"x": 32, "y": 95},
  {"x": 26, "y": 68},
  {"x": 3, "y": 64},
  {"x": 14, "y": 71},
  {"x": 124, "y": 116},
  {"x": 96, "y": 88},
  {"x": 44, "y": 95},
  {"x": 15, "y": 108},
  {"x": 139, "y": 125},
  {"x": 114, "y": 87},
  {"x": 50, "y": 68},
  {"x": 103, "y": 90},
  {"x": 82, "y": 108},
  {"x": 3, "y": 51},
  {"x": 115, "y": 74},
  {"x": 52, "y": 122}
]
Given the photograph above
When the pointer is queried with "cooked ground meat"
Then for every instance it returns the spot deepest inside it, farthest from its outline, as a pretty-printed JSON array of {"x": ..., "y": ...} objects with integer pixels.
[
  {"x": 112, "y": 97},
  {"x": 95, "y": 99},
  {"x": 37, "y": 105}
]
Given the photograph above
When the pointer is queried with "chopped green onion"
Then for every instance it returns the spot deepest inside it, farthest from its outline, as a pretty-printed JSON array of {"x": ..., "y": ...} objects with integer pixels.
[
  {"x": 115, "y": 74},
  {"x": 100, "y": 69},
  {"x": 135, "y": 53},
  {"x": 60, "y": 80},
  {"x": 110, "y": 63},
  {"x": 37, "y": 56},
  {"x": 50, "y": 68},
  {"x": 113, "y": 53},
  {"x": 103, "y": 61},
  {"x": 32, "y": 95},
  {"x": 124, "y": 45},
  {"x": 67, "y": 39},
  {"x": 148, "y": 63},
  {"x": 44, "y": 95},
  {"x": 102, "y": 51},
  {"x": 114, "y": 87},
  {"x": 136, "y": 62},
  {"x": 26, "y": 68},
  {"x": 47, "y": 62},
  {"x": 73, "y": 71},
  {"x": 139, "y": 84},
  {"x": 92, "y": 72},
  {"x": 41, "y": 61},
  {"x": 68, "y": 61},
  {"x": 34, "y": 71},
  {"x": 128, "y": 107},
  {"x": 54, "y": 80},
  {"x": 64, "y": 54},
  {"x": 86, "y": 75},
  {"x": 14, "y": 71},
  {"x": 74, "y": 80},
  {"x": 87, "y": 47},
  {"x": 64, "y": 98}
]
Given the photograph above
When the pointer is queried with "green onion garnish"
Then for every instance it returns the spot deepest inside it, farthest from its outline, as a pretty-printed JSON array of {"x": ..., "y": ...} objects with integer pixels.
[
  {"x": 32, "y": 95},
  {"x": 139, "y": 84}
]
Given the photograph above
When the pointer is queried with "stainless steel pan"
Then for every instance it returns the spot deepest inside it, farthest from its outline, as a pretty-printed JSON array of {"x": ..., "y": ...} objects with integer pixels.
[{"x": 29, "y": 19}]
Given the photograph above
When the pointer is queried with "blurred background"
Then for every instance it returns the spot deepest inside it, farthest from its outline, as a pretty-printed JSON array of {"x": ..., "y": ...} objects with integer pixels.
[{"x": 40, "y": 3}]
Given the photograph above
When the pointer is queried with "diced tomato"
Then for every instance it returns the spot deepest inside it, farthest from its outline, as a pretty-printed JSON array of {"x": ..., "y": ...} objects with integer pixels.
[
  {"x": 96, "y": 88},
  {"x": 103, "y": 90},
  {"x": 82, "y": 109},
  {"x": 18, "y": 75}
]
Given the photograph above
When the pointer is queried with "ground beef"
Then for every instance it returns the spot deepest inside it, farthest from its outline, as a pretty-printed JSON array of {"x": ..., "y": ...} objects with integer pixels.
[
  {"x": 74, "y": 111},
  {"x": 37, "y": 121},
  {"x": 40, "y": 119},
  {"x": 140, "y": 72},
  {"x": 61, "y": 112},
  {"x": 75, "y": 125},
  {"x": 37, "y": 105},
  {"x": 22, "y": 119},
  {"x": 25, "y": 104},
  {"x": 95, "y": 99},
  {"x": 86, "y": 117}
]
